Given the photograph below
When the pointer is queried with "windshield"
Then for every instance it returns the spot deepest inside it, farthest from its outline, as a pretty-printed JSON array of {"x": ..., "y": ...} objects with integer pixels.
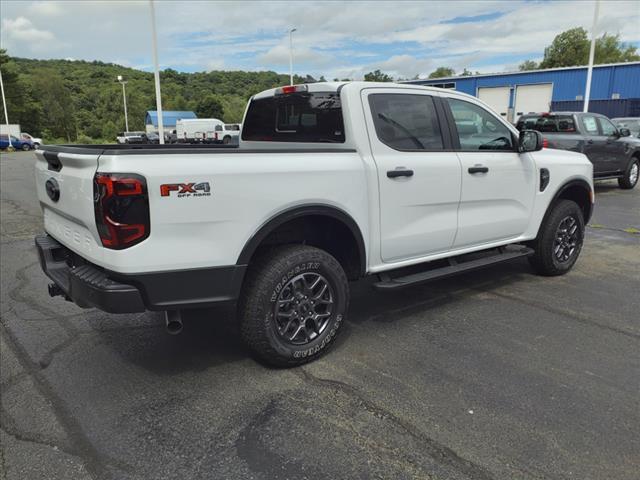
[
  {"x": 297, "y": 117},
  {"x": 633, "y": 124}
]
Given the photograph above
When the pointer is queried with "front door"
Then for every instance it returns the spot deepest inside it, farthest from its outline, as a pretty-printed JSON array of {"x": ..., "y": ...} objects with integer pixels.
[
  {"x": 419, "y": 180},
  {"x": 613, "y": 150},
  {"x": 498, "y": 183}
]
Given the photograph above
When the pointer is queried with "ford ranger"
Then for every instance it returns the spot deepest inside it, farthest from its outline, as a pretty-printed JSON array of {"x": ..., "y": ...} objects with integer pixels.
[{"x": 331, "y": 182}]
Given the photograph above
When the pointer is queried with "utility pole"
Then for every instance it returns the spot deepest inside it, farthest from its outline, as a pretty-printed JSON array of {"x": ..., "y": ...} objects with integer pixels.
[
  {"x": 6, "y": 115},
  {"x": 592, "y": 51},
  {"x": 291, "y": 55},
  {"x": 124, "y": 99},
  {"x": 156, "y": 74}
]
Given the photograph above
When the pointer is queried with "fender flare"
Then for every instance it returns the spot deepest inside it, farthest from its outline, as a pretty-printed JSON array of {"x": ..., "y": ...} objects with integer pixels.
[
  {"x": 578, "y": 182},
  {"x": 298, "y": 212}
]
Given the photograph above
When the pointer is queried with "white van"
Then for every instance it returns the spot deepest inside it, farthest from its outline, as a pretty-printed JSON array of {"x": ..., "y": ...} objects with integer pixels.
[{"x": 199, "y": 130}]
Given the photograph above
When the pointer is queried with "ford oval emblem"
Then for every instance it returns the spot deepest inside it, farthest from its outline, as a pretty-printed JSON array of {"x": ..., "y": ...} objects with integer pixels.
[{"x": 53, "y": 189}]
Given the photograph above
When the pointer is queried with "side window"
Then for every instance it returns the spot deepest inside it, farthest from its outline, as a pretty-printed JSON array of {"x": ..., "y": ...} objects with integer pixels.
[
  {"x": 478, "y": 129},
  {"x": 607, "y": 127},
  {"x": 218, "y": 128},
  {"x": 590, "y": 125},
  {"x": 406, "y": 122}
]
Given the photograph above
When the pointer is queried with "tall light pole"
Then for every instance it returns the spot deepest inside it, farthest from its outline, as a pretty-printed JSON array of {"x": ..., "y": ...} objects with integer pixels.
[
  {"x": 6, "y": 115},
  {"x": 156, "y": 74},
  {"x": 291, "y": 55},
  {"x": 592, "y": 51},
  {"x": 124, "y": 99}
]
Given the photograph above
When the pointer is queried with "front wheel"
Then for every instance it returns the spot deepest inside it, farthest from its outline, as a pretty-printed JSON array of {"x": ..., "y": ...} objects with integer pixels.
[
  {"x": 630, "y": 178},
  {"x": 26, "y": 147},
  {"x": 226, "y": 140},
  {"x": 559, "y": 240},
  {"x": 293, "y": 304}
]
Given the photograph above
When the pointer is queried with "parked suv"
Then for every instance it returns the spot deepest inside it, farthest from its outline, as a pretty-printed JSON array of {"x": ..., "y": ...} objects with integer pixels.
[{"x": 612, "y": 150}]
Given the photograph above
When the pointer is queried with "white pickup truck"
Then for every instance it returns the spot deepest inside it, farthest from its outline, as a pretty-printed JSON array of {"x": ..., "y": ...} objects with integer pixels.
[{"x": 331, "y": 182}]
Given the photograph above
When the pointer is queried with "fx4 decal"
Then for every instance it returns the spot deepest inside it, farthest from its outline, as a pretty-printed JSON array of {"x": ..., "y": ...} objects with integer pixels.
[{"x": 184, "y": 190}]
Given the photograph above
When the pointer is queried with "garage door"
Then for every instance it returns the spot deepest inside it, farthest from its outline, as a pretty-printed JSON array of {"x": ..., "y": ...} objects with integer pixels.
[
  {"x": 533, "y": 99},
  {"x": 497, "y": 98}
]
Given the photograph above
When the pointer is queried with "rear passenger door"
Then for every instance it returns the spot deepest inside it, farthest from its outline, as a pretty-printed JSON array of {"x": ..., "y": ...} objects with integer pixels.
[
  {"x": 498, "y": 183},
  {"x": 418, "y": 173}
]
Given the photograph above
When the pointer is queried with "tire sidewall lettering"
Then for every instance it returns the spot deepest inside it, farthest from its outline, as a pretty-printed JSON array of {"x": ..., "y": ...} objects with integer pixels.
[{"x": 291, "y": 273}]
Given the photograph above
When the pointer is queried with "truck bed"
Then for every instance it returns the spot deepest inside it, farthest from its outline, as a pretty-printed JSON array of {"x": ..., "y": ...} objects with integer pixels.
[{"x": 133, "y": 149}]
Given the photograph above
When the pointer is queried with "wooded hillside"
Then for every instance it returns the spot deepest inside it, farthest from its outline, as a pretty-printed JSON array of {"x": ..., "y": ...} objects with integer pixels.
[{"x": 78, "y": 100}]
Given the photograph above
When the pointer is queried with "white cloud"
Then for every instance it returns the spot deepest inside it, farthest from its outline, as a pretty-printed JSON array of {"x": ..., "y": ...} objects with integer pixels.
[
  {"x": 406, "y": 66},
  {"x": 21, "y": 31},
  {"x": 333, "y": 39},
  {"x": 45, "y": 9},
  {"x": 279, "y": 55}
]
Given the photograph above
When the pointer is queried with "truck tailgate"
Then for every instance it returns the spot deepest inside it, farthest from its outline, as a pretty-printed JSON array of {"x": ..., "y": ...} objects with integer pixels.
[{"x": 64, "y": 184}]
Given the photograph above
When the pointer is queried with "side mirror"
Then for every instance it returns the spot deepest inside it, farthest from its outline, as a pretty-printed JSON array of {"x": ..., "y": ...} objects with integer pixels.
[
  {"x": 624, "y": 132},
  {"x": 530, "y": 141}
]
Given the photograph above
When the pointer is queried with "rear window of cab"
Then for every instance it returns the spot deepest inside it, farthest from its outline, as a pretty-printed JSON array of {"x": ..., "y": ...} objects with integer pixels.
[
  {"x": 548, "y": 123},
  {"x": 303, "y": 117}
]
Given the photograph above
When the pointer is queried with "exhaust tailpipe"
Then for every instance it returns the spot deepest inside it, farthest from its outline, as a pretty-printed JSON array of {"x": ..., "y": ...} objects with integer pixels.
[{"x": 173, "y": 319}]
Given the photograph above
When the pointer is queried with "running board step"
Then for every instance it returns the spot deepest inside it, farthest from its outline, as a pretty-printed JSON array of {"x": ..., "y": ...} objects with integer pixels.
[{"x": 454, "y": 268}]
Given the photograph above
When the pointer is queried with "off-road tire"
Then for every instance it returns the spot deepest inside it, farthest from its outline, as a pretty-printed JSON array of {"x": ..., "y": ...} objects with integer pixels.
[
  {"x": 267, "y": 278},
  {"x": 625, "y": 182},
  {"x": 544, "y": 261}
]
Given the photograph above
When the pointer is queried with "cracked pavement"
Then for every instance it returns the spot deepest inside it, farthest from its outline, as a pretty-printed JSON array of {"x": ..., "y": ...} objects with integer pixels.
[{"x": 498, "y": 374}]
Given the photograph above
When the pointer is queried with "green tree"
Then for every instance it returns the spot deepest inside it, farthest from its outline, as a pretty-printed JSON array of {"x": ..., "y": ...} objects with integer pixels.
[
  {"x": 571, "y": 47},
  {"x": 609, "y": 49},
  {"x": 210, "y": 107},
  {"x": 442, "y": 72},
  {"x": 528, "y": 65},
  {"x": 22, "y": 108},
  {"x": 466, "y": 73},
  {"x": 57, "y": 105},
  {"x": 377, "y": 76}
]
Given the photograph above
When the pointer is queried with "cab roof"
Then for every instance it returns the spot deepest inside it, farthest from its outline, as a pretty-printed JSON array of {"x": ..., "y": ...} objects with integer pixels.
[{"x": 358, "y": 85}]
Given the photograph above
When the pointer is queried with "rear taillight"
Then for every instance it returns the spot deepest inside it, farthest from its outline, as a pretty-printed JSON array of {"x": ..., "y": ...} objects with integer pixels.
[
  {"x": 121, "y": 206},
  {"x": 545, "y": 143}
]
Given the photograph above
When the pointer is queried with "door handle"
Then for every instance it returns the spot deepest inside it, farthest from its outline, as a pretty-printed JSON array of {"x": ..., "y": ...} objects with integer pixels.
[
  {"x": 590, "y": 142},
  {"x": 478, "y": 169},
  {"x": 399, "y": 173}
]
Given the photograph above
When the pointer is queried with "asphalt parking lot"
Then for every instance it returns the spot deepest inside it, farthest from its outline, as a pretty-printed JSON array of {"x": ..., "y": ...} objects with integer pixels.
[{"x": 499, "y": 374}]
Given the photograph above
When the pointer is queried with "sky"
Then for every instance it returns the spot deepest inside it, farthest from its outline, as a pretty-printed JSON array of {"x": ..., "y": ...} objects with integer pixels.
[{"x": 337, "y": 39}]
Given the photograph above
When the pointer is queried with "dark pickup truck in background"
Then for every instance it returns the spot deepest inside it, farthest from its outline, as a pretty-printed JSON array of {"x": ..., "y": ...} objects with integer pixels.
[{"x": 613, "y": 152}]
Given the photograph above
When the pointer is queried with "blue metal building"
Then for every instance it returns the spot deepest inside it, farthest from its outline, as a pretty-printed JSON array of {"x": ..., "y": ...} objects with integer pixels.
[
  {"x": 615, "y": 89},
  {"x": 169, "y": 119}
]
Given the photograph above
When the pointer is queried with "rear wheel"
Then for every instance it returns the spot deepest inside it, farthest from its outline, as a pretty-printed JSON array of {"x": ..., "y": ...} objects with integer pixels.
[
  {"x": 25, "y": 147},
  {"x": 293, "y": 304},
  {"x": 630, "y": 178},
  {"x": 560, "y": 239}
]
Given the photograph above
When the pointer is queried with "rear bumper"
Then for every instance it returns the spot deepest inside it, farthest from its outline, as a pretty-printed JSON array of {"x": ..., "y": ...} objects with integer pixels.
[{"x": 90, "y": 286}]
